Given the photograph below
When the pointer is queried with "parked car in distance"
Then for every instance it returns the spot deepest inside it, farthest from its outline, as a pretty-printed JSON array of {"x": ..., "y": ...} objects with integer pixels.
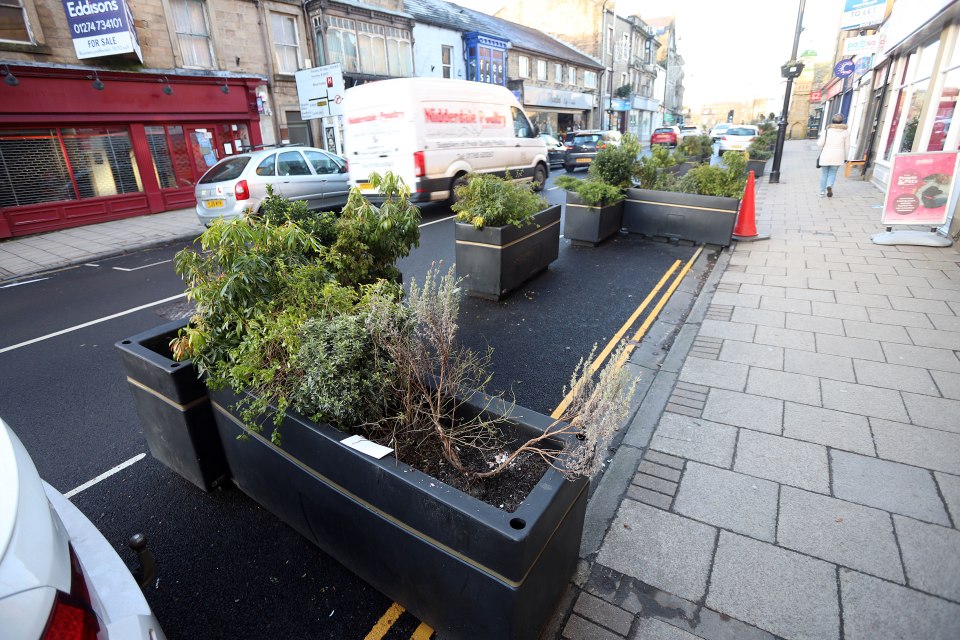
[
  {"x": 555, "y": 150},
  {"x": 737, "y": 138},
  {"x": 582, "y": 147},
  {"x": 718, "y": 130},
  {"x": 239, "y": 183},
  {"x": 59, "y": 577},
  {"x": 690, "y": 131},
  {"x": 668, "y": 136}
]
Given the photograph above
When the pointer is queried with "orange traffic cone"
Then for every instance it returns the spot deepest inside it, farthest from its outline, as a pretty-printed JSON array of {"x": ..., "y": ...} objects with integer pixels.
[{"x": 746, "y": 229}]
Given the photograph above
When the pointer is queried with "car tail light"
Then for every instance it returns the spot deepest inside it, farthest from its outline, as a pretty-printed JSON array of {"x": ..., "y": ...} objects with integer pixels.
[
  {"x": 72, "y": 617},
  {"x": 419, "y": 165},
  {"x": 242, "y": 190},
  {"x": 723, "y": 137}
]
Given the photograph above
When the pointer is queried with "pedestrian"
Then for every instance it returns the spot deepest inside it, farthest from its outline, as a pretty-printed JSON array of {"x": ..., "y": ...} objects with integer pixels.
[{"x": 834, "y": 147}]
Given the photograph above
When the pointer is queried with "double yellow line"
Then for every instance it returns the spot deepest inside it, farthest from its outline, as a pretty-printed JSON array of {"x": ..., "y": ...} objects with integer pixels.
[{"x": 423, "y": 632}]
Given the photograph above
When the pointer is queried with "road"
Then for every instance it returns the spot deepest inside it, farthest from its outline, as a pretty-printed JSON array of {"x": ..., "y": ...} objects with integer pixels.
[{"x": 228, "y": 569}]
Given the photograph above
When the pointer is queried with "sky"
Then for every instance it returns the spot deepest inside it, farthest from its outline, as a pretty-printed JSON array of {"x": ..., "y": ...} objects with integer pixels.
[{"x": 733, "y": 50}]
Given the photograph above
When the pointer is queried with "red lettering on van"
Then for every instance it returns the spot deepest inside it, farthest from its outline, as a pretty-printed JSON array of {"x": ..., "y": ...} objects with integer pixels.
[{"x": 446, "y": 116}]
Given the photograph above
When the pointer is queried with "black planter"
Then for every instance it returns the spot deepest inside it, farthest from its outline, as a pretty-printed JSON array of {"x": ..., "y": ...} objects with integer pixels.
[
  {"x": 466, "y": 568},
  {"x": 494, "y": 261},
  {"x": 757, "y": 166},
  {"x": 681, "y": 216},
  {"x": 173, "y": 406},
  {"x": 587, "y": 225}
]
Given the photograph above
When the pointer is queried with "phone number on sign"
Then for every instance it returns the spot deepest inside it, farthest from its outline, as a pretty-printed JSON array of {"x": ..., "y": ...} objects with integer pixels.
[{"x": 96, "y": 26}]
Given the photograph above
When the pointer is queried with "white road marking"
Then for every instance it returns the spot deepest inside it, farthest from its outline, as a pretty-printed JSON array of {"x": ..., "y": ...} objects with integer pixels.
[
  {"x": 92, "y": 322},
  {"x": 427, "y": 224},
  {"x": 143, "y": 267},
  {"x": 17, "y": 284},
  {"x": 552, "y": 188},
  {"x": 91, "y": 264},
  {"x": 103, "y": 476}
]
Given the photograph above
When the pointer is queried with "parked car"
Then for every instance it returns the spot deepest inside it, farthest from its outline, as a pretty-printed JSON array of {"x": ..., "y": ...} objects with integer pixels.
[
  {"x": 59, "y": 577},
  {"x": 718, "y": 130},
  {"x": 668, "y": 136},
  {"x": 582, "y": 147},
  {"x": 239, "y": 183},
  {"x": 689, "y": 131},
  {"x": 555, "y": 150},
  {"x": 738, "y": 137}
]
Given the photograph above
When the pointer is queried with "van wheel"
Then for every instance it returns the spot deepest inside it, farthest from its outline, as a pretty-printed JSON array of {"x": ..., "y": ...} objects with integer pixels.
[
  {"x": 569, "y": 167},
  {"x": 459, "y": 179},
  {"x": 539, "y": 177}
]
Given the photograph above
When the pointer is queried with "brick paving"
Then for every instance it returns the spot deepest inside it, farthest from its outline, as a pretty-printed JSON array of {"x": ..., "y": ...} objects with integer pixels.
[{"x": 803, "y": 478}]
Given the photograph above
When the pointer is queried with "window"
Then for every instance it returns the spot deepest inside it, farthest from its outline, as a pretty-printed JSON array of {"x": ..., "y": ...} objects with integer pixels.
[
  {"x": 193, "y": 33},
  {"x": 446, "y": 61},
  {"x": 541, "y": 69},
  {"x": 322, "y": 163},
  {"x": 571, "y": 75},
  {"x": 946, "y": 108},
  {"x": 171, "y": 158},
  {"x": 590, "y": 79},
  {"x": 399, "y": 52},
  {"x": 610, "y": 41},
  {"x": 648, "y": 51},
  {"x": 521, "y": 126},
  {"x": 291, "y": 163},
  {"x": 13, "y": 22},
  {"x": 558, "y": 73},
  {"x": 373, "y": 48},
  {"x": 268, "y": 166},
  {"x": 342, "y": 43},
  {"x": 285, "y": 43},
  {"x": 524, "y": 63}
]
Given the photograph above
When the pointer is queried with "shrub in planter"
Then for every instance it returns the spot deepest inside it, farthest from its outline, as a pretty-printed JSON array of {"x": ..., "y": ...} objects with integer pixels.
[
  {"x": 594, "y": 210},
  {"x": 726, "y": 180},
  {"x": 697, "y": 148},
  {"x": 616, "y": 165},
  {"x": 505, "y": 234},
  {"x": 653, "y": 171}
]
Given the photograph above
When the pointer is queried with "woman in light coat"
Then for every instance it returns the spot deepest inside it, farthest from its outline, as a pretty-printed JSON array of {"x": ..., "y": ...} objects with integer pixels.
[{"x": 834, "y": 147}]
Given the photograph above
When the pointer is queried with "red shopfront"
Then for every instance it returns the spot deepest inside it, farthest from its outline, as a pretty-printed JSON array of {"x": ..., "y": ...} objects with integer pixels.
[{"x": 72, "y": 154}]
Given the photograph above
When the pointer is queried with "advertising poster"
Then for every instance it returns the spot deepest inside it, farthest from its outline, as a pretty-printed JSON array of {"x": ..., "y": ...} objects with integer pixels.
[{"x": 921, "y": 187}]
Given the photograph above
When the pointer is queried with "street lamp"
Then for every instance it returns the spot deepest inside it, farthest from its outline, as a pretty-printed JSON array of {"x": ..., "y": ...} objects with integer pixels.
[{"x": 790, "y": 70}]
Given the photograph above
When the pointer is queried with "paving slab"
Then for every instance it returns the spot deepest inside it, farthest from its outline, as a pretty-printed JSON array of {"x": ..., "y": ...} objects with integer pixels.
[
  {"x": 895, "y": 376},
  {"x": 653, "y": 629},
  {"x": 786, "y": 386},
  {"x": 792, "y": 462},
  {"x": 887, "y": 485},
  {"x": 792, "y": 338},
  {"x": 838, "y": 531},
  {"x": 745, "y": 410},
  {"x": 871, "y": 331},
  {"x": 950, "y": 490},
  {"x": 924, "y": 357},
  {"x": 932, "y": 556},
  {"x": 815, "y": 323},
  {"x": 837, "y": 429},
  {"x": 578, "y": 628},
  {"x": 786, "y": 593},
  {"x": 935, "y": 338},
  {"x": 937, "y": 413},
  {"x": 759, "y": 316},
  {"x": 729, "y": 500},
  {"x": 758, "y": 355},
  {"x": 875, "y": 609},
  {"x": 695, "y": 439},
  {"x": 864, "y": 400},
  {"x": 821, "y": 365},
  {"x": 604, "y": 613},
  {"x": 713, "y": 373},
  {"x": 928, "y": 448},
  {"x": 947, "y": 383},
  {"x": 662, "y": 549},
  {"x": 850, "y": 347}
]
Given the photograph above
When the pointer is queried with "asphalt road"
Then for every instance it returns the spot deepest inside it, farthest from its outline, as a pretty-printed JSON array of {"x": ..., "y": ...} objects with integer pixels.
[{"x": 228, "y": 569}]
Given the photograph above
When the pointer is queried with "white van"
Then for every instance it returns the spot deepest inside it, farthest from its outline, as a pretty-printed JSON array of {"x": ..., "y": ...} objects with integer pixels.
[{"x": 433, "y": 131}]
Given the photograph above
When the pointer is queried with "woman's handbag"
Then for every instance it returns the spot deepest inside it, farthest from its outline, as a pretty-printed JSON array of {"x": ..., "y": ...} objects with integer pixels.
[{"x": 818, "y": 159}]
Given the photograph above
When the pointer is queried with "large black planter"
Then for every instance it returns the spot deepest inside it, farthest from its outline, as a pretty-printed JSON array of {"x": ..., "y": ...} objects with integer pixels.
[
  {"x": 588, "y": 225},
  {"x": 494, "y": 261},
  {"x": 173, "y": 406},
  {"x": 466, "y": 568},
  {"x": 757, "y": 166},
  {"x": 681, "y": 216}
]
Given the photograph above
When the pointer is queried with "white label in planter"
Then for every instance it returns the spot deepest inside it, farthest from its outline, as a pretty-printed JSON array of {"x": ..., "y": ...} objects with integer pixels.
[{"x": 363, "y": 445}]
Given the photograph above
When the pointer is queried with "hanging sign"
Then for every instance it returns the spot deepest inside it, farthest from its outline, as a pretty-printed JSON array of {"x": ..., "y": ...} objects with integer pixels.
[
  {"x": 862, "y": 46},
  {"x": 920, "y": 188},
  {"x": 844, "y": 68},
  {"x": 321, "y": 91},
  {"x": 858, "y": 14},
  {"x": 816, "y": 96},
  {"x": 101, "y": 28}
]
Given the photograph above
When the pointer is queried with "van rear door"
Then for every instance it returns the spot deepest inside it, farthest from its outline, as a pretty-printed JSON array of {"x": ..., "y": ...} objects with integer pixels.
[{"x": 380, "y": 140}]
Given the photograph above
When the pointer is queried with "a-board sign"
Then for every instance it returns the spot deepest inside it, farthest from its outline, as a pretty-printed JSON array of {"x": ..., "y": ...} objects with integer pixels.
[{"x": 921, "y": 188}]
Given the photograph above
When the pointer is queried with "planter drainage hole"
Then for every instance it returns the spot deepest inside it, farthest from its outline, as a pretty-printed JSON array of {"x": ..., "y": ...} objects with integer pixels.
[
  {"x": 125, "y": 342},
  {"x": 518, "y": 523},
  {"x": 174, "y": 365}
]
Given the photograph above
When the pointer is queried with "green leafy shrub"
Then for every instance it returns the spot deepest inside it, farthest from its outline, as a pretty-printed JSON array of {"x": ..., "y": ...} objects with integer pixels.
[
  {"x": 727, "y": 180},
  {"x": 591, "y": 191},
  {"x": 617, "y": 164},
  {"x": 486, "y": 200},
  {"x": 654, "y": 171},
  {"x": 759, "y": 149},
  {"x": 697, "y": 147}
]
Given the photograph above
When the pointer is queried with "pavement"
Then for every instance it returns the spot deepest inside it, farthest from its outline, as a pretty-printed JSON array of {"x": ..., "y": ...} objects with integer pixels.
[{"x": 793, "y": 466}]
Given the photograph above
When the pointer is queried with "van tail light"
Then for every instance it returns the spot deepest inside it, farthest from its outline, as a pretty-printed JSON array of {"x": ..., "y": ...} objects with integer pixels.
[
  {"x": 72, "y": 617},
  {"x": 242, "y": 190},
  {"x": 723, "y": 137},
  {"x": 419, "y": 165}
]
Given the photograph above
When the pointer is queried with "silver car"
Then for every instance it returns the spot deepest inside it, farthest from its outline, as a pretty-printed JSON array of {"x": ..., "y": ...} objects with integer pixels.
[{"x": 239, "y": 183}]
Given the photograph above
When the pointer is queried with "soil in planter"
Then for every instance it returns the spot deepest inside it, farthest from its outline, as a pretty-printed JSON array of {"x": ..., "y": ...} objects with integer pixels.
[{"x": 505, "y": 491}]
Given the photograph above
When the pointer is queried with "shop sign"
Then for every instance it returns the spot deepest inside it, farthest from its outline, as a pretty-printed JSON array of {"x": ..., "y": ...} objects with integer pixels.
[
  {"x": 844, "y": 68},
  {"x": 816, "y": 96},
  {"x": 921, "y": 187},
  {"x": 863, "y": 65},
  {"x": 858, "y": 14},
  {"x": 835, "y": 88},
  {"x": 641, "y": 103},
  {"x": 557, "y": 98},
  {"x": 862, "y": 46},
  {"x": 101, "y": 28},
  {"x": 320, "y": 91}
]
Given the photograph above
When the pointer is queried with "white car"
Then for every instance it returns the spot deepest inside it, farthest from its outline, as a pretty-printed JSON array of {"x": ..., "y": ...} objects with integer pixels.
[
  {"x": 686, "y": 131},
  {"x": 59, "y": 577},
  {"x": 738, "y": 137},
  {"x": 718, "y": 130}
]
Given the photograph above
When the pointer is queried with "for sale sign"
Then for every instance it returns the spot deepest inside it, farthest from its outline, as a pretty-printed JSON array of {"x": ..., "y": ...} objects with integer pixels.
[
  {"x": 921, "y": 187},
  {"x": 101, "y": 28}
]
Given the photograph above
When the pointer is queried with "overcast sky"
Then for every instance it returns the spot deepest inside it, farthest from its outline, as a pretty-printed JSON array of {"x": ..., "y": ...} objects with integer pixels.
[{"x": 733, "y": 50}]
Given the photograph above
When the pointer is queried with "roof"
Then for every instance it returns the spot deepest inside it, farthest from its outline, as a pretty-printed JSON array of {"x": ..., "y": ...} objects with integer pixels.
[{"x": 457, "y": 18}]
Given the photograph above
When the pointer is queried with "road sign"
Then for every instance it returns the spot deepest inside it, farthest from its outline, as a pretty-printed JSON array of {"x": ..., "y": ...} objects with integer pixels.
[{"x": 320, "y": 91}]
